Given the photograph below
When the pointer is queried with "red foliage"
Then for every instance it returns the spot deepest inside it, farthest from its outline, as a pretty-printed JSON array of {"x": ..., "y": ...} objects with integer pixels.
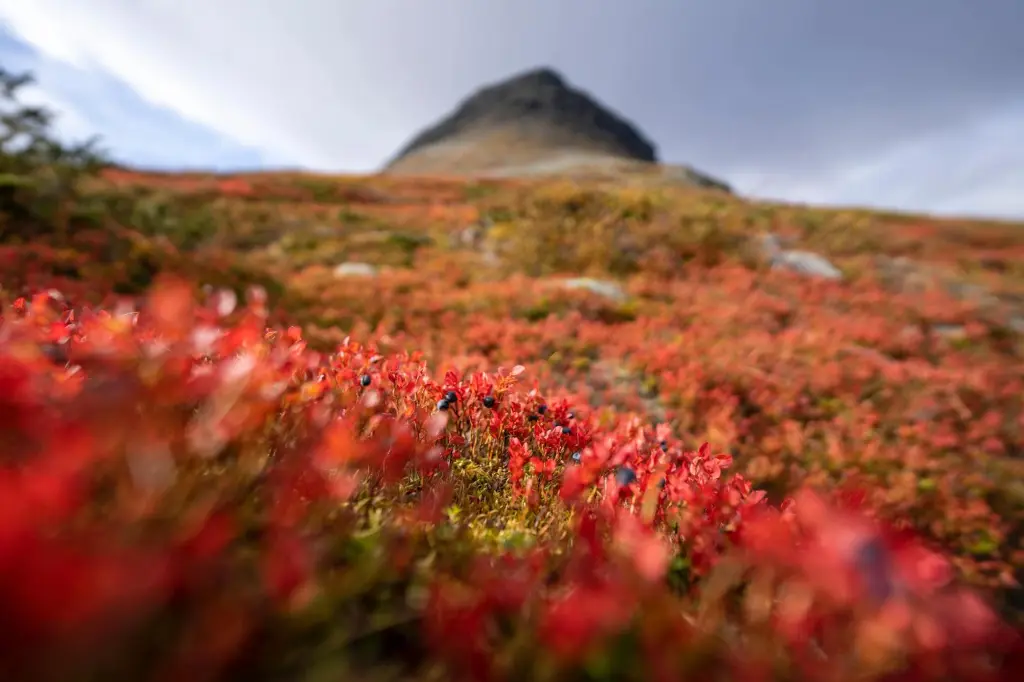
[{"x": 113, "y": 424}]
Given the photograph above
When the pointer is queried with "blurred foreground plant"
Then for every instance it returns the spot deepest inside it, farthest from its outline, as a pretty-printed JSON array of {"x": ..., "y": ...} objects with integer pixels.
[{"x": 187, "y": 493}]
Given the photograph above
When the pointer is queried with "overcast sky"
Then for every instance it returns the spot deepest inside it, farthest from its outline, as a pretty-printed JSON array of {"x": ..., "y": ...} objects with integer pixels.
[{"x": 915, "y": 104}]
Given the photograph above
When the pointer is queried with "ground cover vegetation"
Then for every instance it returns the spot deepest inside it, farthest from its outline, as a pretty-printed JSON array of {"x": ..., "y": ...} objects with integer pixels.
[{"x": 223, "y": 456}]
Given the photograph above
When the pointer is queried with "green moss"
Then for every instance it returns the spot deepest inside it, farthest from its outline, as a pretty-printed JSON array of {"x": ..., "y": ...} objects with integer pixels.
[{"x": 984, "y": 545}]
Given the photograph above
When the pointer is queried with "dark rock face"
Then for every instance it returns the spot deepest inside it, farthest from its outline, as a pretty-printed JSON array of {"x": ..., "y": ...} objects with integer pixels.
[{"x": 539, "y": 107}]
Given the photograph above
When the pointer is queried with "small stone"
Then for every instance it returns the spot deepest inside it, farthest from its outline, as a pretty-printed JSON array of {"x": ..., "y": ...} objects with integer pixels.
[
  {"x": 355, "y": 270},
  {"x": 608, "y": 289},
  {"x": 806, "y": 263},
  {"x": 800, "y": 262}
]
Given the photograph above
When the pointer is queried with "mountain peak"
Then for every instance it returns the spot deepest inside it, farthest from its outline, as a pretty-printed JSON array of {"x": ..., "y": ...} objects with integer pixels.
[
  {"x": 535, "y": 112},
  {"x": 536, "y": 123}
]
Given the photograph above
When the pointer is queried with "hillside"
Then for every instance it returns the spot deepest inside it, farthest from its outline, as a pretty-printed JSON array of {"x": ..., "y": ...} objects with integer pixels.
[{"x": 292, "y": 427}]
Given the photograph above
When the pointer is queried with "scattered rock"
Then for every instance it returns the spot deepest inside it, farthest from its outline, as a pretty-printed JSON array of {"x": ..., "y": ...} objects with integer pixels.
[
  {"x": 801, "y": 262},
  {"x": 806, "y": 263},
  {"x": 950, "y": 331},
  {"x": 606, "y": 288},
  {"x": 355, "y": 270}
]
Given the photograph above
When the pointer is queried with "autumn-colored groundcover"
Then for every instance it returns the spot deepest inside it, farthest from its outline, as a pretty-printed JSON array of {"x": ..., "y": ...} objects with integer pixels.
[{"x": 220, "y": 459}]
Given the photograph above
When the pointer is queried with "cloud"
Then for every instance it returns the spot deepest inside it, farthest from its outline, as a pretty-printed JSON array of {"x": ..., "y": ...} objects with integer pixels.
[
  {"x": 89, "y": 102},
  {"x": 917, "y": 104},
  {"x": 961, "y": 170}
]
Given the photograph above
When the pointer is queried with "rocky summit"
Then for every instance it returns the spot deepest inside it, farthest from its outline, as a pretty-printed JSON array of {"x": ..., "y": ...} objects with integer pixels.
[{"x": 536, "y": 123}]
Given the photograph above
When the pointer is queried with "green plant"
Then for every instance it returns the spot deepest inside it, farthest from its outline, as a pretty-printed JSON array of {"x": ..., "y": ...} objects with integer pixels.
[{"x": 39, "y": 174}]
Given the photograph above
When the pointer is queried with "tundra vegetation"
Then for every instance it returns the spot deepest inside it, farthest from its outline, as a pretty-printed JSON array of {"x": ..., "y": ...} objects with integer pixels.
[{"x": 535, "y": 430}]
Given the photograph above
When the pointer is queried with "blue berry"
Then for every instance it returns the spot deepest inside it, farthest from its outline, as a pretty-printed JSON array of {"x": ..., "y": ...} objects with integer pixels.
[
  {"x": 542, "y": 409},
  {"x": 624, "y": 476},
  {"x": 532, "y": 417},
  {"x": 576, "y": 456},
  {"x": 664, "y": 445},
  {"x": 566, "y": 430},
  {"x": 365, "y": 380},
  {"x": 442, "y": 405},
  {"x": 450, "y": 396},
  {"x": 571, "y": 415},
  {"x": 489, "y": 401},
  {"x": 874, "y": 562}
]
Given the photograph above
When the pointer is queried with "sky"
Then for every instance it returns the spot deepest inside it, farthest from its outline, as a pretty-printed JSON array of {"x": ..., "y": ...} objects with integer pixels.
[{"x": 903, "y": 104}]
